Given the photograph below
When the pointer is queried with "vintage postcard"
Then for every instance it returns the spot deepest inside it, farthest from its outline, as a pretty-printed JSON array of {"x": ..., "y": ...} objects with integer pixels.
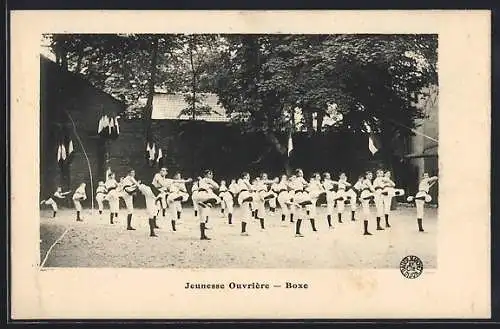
[{"x": 250, "y": 165}]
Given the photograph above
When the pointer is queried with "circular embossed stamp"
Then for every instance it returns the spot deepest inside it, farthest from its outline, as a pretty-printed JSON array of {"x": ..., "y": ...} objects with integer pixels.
[{"x": 411, "y": 267}]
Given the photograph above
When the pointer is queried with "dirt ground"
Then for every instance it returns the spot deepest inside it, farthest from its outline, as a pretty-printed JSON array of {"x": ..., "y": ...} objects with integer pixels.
[{"x": 96, "y": 243}]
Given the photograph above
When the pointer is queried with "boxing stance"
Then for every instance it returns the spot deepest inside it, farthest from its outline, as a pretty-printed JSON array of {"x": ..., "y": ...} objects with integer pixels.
[
  {"x": 315, "y": 190},
  {"x": 100, "y": 195},
  {"x": 366, "y": 196},
  {"x": 350, "y": 195},
  {"x": 58, "y": 194},
  {"x": 112, "y": 197},
  {"x": 422, "y": 196},
  {"x": 378, "y": 185},
  {"x": 343, "y": 195},
  {"x": 273, "y": 202},
  {"x": 296, "y": 184},
  {"x": 151, "y": 207},
  {"x": 160, "y": 189},
  {"x": 194, "y": 190},
  {"x": 283, "y": 197},
  {"x": 245, "y": 198},
  {"x": 177, "y": 193},
  {"x": 78, "y": 196},
  {"x": 129, "y": 185},
  {"x": 206, "y": 199},
  {"x": 269, "y": 196},
  {"x": 227, "y": 196},
  {"x": 328, "y": 186},
  {"x": 261, "y": 195},
  {"x": 388, "y": 193}
]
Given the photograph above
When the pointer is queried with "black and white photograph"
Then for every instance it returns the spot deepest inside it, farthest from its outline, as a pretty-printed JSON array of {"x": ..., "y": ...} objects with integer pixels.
[
  {"x": 180, "y": 165},
  {"x": 238, "y": 150}
]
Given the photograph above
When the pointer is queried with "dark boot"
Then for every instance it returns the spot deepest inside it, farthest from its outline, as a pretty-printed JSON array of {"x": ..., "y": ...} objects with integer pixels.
[
  {"x": 116, "y": 215},
  {"x": 255, "y": 213},
  {"x": 222, "y": 210},
  {"x": 202, "y": 232},
  {"x": 111, "y": 218},
  {"x": 129, "y": 223},
  {"x": 283, "y": 217},
  {"x": 339, "y": 215},
  {"x": 195, "y": 213},
  {"x": 379, "y": 228},
  {"x": 173, "y": 225},
  {"x": 387, "y": 220},
  {"x": 154, "y": 223},
  {"x": 54, "y": 216},
  {"x": 352, "y": 216},
  {"x": 178, "y": 215},
  {"x": 272, "y": 210},
  {"x": 291, "y": 218},
  {"x": 313, "y": 224},
  {"x": 152, "y": 228},
  {"x": 262, "y": 223},
  {"x": 297, "y": 228},
  {"x": 78, "y": 219},
  {"x": 230, "y": 218},
  {"x": 365, "y": 224},
  {"x": 163, "y": 212},
  {"x": 420, "y": 227},
  {"x": 243, "y": 228},
  {"x": 329, "y": 219},
  {"x": 100, "y": 212}
]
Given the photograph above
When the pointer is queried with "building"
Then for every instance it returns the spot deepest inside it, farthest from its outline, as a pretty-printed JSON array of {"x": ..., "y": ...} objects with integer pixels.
[
  {"x": 170, "y": 106},
  {"x": 423, "y": 153},
  {"x": 70, "y": 108}
]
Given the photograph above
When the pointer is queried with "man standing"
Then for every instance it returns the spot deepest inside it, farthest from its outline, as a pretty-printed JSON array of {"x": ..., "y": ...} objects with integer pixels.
[
  {"x": 423, "y": 196},
  {"x": 378, "y": 185},
  {"x": 130, "y": 185},
  {"x": 78, "y": 196},
  {"x": 245, "y": 197},
  {"x": 160, "y": 189}
]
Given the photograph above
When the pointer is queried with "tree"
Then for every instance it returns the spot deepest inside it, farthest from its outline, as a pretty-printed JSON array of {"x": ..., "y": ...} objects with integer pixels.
[{"x": 372, "y": 80}]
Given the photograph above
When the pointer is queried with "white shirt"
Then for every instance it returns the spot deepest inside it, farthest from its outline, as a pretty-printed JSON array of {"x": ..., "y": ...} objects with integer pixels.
[
  {"x": 111, "y": 184},
  {"x": 159, "y": 181},
  {"x": 100, "y": 189},
  {"x": 378, "y": 182},
  {"x": 207, "y": 184},
  {"x": 282, "y": 185},
  {"x": 80, "y": 193},
  {"x": 244, "y": 184},
  {"x": 297, "y": 184},
  {"x": 343, "y": 184},
  {"x": 425, "y": 184}
]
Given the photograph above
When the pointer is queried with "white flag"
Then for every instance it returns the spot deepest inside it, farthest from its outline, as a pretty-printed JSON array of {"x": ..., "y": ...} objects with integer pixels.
[
  {"x": 148, "y": 148},
  {"x": 117, "y": 126},
  {"x": 99, "y": 128},
  {"x": 105, "y": 122},
  {"x": 290, "y": 144},
  {"x": 59, "y": 151},
  {"x": 70, "y": 147},
  {"x": 63, "y": 152},
  {"x": 371, "y": 145},
  {"x": 160, "y": 155},
  {"x": 152, "y": 152},
  {"x": 111, "y": 125}
]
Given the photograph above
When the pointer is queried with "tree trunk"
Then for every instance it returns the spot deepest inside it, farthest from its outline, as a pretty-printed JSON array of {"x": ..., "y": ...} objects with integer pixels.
[
  {"x": 193, "y": 82},
  {"x": 151, "y": 87}
]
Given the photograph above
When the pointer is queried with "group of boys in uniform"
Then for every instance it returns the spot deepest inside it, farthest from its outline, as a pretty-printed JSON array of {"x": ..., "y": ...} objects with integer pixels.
[{"x": 296, "y": 197}]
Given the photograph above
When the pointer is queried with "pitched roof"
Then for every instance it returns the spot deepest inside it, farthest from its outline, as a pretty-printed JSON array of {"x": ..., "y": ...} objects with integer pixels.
[{"x": 170, "y": 106}]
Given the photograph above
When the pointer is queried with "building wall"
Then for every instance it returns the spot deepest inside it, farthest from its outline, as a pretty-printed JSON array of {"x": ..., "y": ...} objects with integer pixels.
[
  {"x": 426, "y": 147},
  {"x": 62, "y": 92}
]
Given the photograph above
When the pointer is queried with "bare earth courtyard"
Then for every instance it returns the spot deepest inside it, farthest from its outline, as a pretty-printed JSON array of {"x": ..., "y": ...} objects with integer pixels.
[{"x": 96, "y": 243}]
